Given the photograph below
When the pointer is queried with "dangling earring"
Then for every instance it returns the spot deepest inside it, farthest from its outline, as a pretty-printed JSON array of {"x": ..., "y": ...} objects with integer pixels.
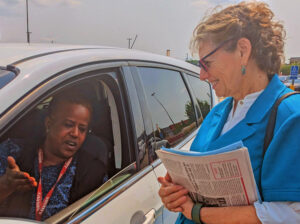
[{"x": 243, "y": 70}]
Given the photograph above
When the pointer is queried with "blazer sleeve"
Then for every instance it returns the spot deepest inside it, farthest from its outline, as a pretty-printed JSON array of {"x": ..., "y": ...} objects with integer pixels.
[{"x": 280, "y": 168}]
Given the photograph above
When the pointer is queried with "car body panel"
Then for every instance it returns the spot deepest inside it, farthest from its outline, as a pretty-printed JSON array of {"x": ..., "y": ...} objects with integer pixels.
[
  {"x": 43, "y": 68},
  {"x": 132, "y": 205},
  {"x": 52, "y": 64}
]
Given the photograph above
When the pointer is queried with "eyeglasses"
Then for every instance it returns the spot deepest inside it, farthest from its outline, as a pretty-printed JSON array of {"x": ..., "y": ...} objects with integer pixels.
[{"x": 202, "y": 62}]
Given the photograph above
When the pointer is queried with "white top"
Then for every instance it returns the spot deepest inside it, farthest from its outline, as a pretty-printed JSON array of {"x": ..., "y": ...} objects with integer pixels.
[
  {"x": 240, "y": 111},
  {"x": 267, "y": 212}
]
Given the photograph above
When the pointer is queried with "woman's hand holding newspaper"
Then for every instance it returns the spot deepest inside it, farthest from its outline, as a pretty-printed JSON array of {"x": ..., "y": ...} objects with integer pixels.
[{"x": 175, "y": 197}]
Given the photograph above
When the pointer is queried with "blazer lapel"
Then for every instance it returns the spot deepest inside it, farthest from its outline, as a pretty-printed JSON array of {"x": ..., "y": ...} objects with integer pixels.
[
  {"x": 239, "y": 132},
  {"x": 217, "y": 123},
  {"x": 262, "y": 106},
  {"x": 257, "y": 112}
]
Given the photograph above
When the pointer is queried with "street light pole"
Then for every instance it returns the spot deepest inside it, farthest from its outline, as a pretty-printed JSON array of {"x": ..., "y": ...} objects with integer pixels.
[
  {"x": 153, "y": 94},
  {"x": 28, "y": 33}
]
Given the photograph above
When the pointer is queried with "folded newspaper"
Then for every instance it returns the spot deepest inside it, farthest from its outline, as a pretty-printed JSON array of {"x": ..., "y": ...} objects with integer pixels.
[{"x": 222, "y": 177}]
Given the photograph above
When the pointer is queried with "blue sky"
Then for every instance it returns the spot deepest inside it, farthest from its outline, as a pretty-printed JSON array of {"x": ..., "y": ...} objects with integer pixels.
[{"x": 159, "y": 24}]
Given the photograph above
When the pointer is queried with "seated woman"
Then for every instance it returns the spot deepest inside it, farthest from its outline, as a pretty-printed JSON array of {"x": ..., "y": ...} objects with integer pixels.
[{"x": 38, "y": 178}]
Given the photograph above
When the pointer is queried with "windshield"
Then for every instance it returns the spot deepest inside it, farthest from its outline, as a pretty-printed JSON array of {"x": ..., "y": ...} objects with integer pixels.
[{"x": 5, "y": 76}]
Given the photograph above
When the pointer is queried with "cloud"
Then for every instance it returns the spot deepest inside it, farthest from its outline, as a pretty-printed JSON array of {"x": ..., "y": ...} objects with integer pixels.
[
  {"x": 10, "y": 2},
  {"x": 11, "y": 8},
  {"x": 57, "y": 2},
  {"x": 212, "y": 3}
]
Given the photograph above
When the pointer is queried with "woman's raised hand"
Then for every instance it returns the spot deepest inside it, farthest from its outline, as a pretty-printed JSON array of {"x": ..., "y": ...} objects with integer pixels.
[{"x": 16, "y": 179}]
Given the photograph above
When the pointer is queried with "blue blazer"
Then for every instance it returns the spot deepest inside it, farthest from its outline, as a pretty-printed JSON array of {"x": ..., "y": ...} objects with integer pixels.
[{"x": 280, "y": 166}]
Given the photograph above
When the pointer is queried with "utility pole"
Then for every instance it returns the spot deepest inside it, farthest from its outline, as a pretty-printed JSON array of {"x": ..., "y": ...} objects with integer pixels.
[
  {"x": 28, "y": 33},
  {"x": 129, "y": 39},
  {"x": 134, "y": 41},
  {"x": 130, "y": 46}
]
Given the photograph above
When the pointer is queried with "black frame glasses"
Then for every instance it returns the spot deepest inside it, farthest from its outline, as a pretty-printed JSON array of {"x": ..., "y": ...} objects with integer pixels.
[{"x": 202, "y": 63}]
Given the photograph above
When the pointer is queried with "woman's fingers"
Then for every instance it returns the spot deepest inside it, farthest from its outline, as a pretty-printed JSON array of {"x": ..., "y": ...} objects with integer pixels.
[
  {"x": 24, "y": 187},
  {"x": 164, "y": 182},
  {"x": 179, "y": 209},
  {"x": 11, "y": 163},
  {"x": 172, "y": 195},
  {"x": 175, "y": 196},
  {"x": 12, "y": 174},
  {"x": 33, "y": 182},
  {"x": 167, "y": 190},
  {"x": 17, "y": 179},
  {"x": 22, "y": 183},
  {"x": 168, "y": 177},
  {"x": 177, "y": 203}
]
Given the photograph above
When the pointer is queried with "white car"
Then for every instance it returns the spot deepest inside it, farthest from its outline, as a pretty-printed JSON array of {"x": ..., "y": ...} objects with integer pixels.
[{"x": 142, "y": 101}]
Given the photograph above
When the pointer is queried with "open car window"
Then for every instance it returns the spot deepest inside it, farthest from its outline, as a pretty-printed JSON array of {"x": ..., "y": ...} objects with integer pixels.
[
  {"x": 103, "y": 141},
  {"x": 99, "y": 196}
]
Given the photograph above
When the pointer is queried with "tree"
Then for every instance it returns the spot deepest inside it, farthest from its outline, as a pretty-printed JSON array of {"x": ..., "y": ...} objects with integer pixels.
[
  {"x": 286, "y": 68},
  {"x": 204, "y": 107},
  {"x": 190, "y": 112},
  {"x": 194, "y": 62}
]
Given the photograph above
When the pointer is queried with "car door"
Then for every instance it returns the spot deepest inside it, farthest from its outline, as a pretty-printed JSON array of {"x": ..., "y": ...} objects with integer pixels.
[
  {"x": 175, "y": 103},
  {"x": 130, "y": 195}
]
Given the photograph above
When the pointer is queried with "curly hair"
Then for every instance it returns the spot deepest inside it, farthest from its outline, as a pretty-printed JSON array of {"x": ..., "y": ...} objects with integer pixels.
[{"x": 252, "y": 20}]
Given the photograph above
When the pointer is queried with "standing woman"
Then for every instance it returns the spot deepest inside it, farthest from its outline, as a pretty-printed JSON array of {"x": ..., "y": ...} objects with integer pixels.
[{"x": 241, "y": 50}]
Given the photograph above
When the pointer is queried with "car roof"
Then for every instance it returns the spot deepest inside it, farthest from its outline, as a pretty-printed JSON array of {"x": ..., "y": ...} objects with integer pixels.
[
  {"x": 12, "y": 53},
  {"x": 38, "y": 62}
]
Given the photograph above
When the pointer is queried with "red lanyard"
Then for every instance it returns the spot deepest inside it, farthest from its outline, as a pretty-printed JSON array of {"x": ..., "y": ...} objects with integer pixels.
[{"x": 41, "y": 204}]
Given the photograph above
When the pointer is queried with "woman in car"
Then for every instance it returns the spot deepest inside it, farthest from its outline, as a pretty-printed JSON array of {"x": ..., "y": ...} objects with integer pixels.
[
  {"x": 241, "y": 50},
  {"x": 41, "y": 177}
]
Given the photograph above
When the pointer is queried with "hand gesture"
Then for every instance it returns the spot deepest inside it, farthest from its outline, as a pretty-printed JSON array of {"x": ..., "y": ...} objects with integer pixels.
[{"x": 15, "y": 179}]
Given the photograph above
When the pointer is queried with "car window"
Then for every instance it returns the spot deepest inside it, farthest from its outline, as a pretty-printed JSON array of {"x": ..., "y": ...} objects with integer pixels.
[
  {"x": 171, "y": 108},
  {"x": 103, "y": 153},
  {"x": 201, "y": 91},
  {"x": 5, "y": 77}
]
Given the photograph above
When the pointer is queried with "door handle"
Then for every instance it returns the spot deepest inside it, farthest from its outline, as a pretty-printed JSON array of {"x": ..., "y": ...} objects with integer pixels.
[
  {"x": 150, "y": 217},
  {"x": 140, "y": 218}
]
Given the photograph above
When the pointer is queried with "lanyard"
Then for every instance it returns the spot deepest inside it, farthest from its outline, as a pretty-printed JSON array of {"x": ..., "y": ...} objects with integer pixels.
[{"x": 41, "y": 204}]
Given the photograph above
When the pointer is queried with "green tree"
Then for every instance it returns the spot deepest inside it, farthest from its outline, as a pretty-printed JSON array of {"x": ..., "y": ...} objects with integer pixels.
[
  {"x": 194, "y": 62},
  {"x": 286, "y": 68},
  {"x": 204, "y": 107},
  {"x": 190, "y": 112}
]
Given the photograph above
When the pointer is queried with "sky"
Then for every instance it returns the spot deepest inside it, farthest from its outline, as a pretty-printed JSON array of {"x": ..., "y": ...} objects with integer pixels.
[{"x": 158, "y": 24}]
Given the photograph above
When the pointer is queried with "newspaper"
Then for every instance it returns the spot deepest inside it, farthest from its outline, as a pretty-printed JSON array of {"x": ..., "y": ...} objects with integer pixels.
[{"x": 221, "y": 177}]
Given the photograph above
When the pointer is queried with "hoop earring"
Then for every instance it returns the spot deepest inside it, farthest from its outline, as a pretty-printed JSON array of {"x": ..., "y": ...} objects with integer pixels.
[{"x": 243, "y": 70}]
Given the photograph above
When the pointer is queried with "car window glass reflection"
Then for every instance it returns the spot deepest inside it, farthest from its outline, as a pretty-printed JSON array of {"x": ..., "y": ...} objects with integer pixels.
[
  {"x": 202, "y": 93},
  {"x": 171, "y": 108}
]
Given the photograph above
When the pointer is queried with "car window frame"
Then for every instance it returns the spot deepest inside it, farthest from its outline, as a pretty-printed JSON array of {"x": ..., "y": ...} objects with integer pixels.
[
  {"x": 61, "y": 80},
  {"x": 134, "y": 68}
]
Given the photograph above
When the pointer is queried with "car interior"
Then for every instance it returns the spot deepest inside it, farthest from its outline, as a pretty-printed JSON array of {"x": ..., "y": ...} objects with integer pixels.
[{"x": 100, "y": 140}]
